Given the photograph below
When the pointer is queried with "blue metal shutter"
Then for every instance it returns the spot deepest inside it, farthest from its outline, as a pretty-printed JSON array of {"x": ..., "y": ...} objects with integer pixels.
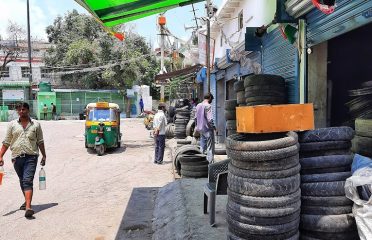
[
  {"x": 348, "y": 15},
  {"x": 232, "y": 70},
  {"x": 254, "y": 57},
  {"x": 279, "y": 57}
]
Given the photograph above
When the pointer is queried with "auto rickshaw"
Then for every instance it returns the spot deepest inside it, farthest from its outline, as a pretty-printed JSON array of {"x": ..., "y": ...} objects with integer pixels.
[{"x": 102, "y": 126}]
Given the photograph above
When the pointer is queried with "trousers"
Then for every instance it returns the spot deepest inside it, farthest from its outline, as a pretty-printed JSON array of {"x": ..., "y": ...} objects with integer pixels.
[{"x": 159, "y": 148}]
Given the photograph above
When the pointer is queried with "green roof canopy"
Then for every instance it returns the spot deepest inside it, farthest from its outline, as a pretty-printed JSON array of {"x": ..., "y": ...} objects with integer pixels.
[{"x": 114, "y": 12}]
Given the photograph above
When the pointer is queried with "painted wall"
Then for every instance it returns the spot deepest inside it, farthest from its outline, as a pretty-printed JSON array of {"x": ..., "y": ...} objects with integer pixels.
[{"x": 260, "y": 12}]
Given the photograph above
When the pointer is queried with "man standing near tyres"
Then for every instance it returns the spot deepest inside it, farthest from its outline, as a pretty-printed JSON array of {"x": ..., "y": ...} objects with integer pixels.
[
  {"x": 205, "y": 126},
  {"x": 160, "y": 121},
  {"x": 24, "y": 137}
]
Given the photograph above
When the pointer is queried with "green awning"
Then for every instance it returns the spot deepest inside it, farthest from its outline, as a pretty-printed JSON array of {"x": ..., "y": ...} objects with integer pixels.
[
  {"x": 114, "y": 12},
  {"x": 14, "y": 84}
]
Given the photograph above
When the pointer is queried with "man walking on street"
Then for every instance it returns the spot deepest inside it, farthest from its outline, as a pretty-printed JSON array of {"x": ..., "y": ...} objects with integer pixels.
[
  {"x": 160, "y": 121},
  {"x": 24, "y": 137},
  {"x": 141, "y": 105},
  {"x": 54, "y": 112},
  {"x": 205, "y": 126}
]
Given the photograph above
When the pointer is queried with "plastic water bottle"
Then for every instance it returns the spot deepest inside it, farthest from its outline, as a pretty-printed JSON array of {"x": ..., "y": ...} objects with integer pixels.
[
  {"x": 42, "y": 179},
  {"x": 1, "y": 174}
]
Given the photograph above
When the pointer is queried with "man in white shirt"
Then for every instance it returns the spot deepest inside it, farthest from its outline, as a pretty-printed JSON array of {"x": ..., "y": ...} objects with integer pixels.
[{"x": 160, "y": 121}]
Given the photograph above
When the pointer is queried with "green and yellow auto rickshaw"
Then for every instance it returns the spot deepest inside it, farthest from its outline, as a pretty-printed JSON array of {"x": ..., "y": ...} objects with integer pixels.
[{"x": 102, "y": 126}]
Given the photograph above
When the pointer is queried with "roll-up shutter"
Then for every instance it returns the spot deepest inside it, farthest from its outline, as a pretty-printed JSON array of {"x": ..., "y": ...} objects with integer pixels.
[
  {"x": 232, "y": 70},
  {"x": 348, "y": 15},
  {"x": 281, "y": 58},
  {"x": 297, "y": 8},
  {"x": 249, "y": 62}
]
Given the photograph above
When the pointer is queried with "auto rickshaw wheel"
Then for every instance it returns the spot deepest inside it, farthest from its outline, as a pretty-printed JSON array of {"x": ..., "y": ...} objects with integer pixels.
[
  {"x": 100, "y": 150},
  {"x": 86, "y": 144}
]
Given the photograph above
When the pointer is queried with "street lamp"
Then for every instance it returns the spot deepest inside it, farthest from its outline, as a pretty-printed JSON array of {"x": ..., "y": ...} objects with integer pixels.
[{"x": 29, "y": 49}]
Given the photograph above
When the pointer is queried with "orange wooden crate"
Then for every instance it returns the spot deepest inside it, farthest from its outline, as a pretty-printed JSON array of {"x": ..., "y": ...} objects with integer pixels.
[{"x": 275, "y": 118}]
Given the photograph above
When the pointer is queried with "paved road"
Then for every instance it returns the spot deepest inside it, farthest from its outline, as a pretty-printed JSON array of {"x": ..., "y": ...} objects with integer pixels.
[{"x": 86, "y": 195}]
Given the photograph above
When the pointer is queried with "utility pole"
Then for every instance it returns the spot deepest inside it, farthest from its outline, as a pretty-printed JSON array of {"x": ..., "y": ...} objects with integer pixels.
[
  {"x": 161, "y": 22},
  {"x": 29, "y": 49},
  {"x": 210, "y": 13}
]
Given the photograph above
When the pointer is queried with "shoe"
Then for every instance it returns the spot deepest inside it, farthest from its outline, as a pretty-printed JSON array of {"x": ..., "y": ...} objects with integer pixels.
[
  {"x": 29, "y": 213},
  {"x": 156, "y": 162},
  {"x": 23, "y": 207},
  {"x": 160, "y": 163}
]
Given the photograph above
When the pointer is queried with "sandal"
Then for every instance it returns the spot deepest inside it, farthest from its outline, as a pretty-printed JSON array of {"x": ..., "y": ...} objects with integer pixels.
[
  {"x": 29, "y": 213},
  {"x": 23, "y": 207}
]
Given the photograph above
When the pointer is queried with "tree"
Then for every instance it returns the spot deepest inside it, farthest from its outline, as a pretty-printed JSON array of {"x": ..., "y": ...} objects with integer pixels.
[{"x": 11, "y": 45}]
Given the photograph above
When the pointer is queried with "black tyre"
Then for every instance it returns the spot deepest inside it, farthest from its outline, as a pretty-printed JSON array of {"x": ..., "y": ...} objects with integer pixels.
[
  {"x": 194, "y": 174},
  {"x": 264, "y": 187},
  {"x": 190, "y": 128},
  {"x": 191, "y": 158},
  {"x": 171, "y": 111},
  {"x": 325, "y": 153},
  {"x": 313, "y": 235},
  {"x": 362, "y": 145},
  {"x": 328, "y": 223},
  {"x": 263, "y": 155},
  {"x": 326, "y": 177},
  {"x": 327, "y": 134},
  {"x": 363, "y": 127},
  {"x": 264, "y": 212},
  {"x": 201, "y": 163},
  {"x": 220, "y": 151},
  {"x": 326, "y": 161},
  {"x": 235, "y": 234},
  {"x": 325, "y": 170},
  {"x": 261, "y": 142},
  {"x": 273, "y": 165},
  {"x": 325, "y": 145},
  {"x": 266, "y": 99},
  {"x": 240, "y": 97},
  {"x": 230, "y": 115},
  {"x": 230, "y": 104},
  {"x": 321, "y": 210},
  {"x": 263, "y": 80},
  {"x": 323, "y": 189},
  {"x": 186, "y": 149},
  {"x": 239, "y": 86},
  {"x": 231, "y": 125},
  {"x": 265, "y": 103},
  {"x": 193, "y": 168},
  {"x": 263, "y": 230},
  {"x": 264, "y": 93},
  {"x": 326, "y": 201},
  {"x": 264, "y": 174},
  {"x": 265, "y": 88},
  {"x": 183, "y": 142},
  {"x": 264, "y": 202}
]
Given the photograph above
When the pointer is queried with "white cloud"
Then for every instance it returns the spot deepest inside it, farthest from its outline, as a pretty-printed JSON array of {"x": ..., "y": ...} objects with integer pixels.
[{"x": 16, "y": 11}]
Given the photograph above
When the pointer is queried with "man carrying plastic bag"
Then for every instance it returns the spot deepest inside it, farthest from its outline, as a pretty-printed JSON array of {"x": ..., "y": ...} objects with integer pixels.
[{"x": 358, "y": 188}]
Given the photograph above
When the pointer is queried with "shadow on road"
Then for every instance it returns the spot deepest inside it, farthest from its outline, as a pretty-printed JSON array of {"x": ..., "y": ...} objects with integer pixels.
[
  {"x": 136, "y": 223},
  {"x": 36, "y": 208}
]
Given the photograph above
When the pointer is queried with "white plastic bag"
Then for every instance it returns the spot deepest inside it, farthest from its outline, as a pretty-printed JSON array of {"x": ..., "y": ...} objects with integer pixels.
[{"x": 362, "y": 209}]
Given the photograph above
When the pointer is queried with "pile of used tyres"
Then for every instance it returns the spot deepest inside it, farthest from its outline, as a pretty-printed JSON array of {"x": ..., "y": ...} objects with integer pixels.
[
  {"x": 264, "y": 196},
  {"x": 240, "y": 92},
  {"x": 263, "y": 89},
  {"x": 170, "y": 130},
  {"x": 326, "y": 160},
  {"x": 184, "y": 150},
  {"x": 362, "y": 142},
  {"x": 230, "y": 116},
  {"x": 361, "y": 104},
  {"x": 193, "y": 165},
  {"x": 182, "y": 118},
  {"x": 190, "y": 127}
]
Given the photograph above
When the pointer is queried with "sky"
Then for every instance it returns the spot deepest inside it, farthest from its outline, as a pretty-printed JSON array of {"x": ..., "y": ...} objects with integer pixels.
[{"x": 43, "y": 13}]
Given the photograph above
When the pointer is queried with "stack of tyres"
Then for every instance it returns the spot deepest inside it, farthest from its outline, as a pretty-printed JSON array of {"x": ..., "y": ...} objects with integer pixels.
[
  {"x": 169, "y": 131},
  {"x": 362, "y": 142},
  {"x": 240, "y": 93},
  {"x": 361, "y": 104},
  {"x": 184, "y": 150},
  {"x": 326, "y": 160},
  {"x": 193, "y": 165},
  {"x": 182, "y": 119},
  {"x": 264, "y": 196},
  {"x": 264, "y": 89},
  {"x": 230, "y": 116}
]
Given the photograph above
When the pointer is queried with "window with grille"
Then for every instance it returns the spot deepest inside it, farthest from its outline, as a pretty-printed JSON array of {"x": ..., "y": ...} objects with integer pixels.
[
  {"x": 25, "y": 72},
  {"x": 5, "y": 72},
  {"x": 45, "y": 72},
  {"x": 240, "y": 20}
]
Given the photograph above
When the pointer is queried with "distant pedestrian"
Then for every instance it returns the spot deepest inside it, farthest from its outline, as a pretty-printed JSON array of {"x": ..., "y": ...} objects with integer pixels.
[
  {"x": 54, "y": 112},
  {"x": 24, "y": 137},
  {"x": 45, "y": 112},
  {"x": 205, "y": 126},
  {"x": 141, "y": 105},
  {"x": 160, "y": 121}
]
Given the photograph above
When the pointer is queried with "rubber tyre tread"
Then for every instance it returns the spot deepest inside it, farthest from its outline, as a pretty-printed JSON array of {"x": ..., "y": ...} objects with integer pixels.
[
  {"x": 328, "y": 223},
  {"x": 323, "y": 189},
  {"x": 261, "y": 142},
  {"x": 325, "y": 153},
  {"x": 322, "y": 210},
  {"x": 264, "y": 93},
  {"x": 264, "y": 212},
  {"x": 325, "y": 170},
  {"x": 234, "y": 234},
  {"x": 240, "y": 97},
  {"x": 264, "y": 80},
  {"x": 325, "y": 177},
  {"x": 231, "y": 125},
  {"x": 190, "y": 128},
  {"x": 326, "y": 161},
  {"x": 327, "y": 134},
  {"x": 257, "y": 103},
  {"x": 194, "y": 174},
  {"x": 230, "y": 104},
  {"x": 362, "y": 145},
  {"x": 266, "y": 99},
  {"x": 239, "y": 86},
  {"x": 326, "y": 145},
  {"x": 263, "y": 155},
  {"x": 191, "y": 158},
  {"x": 219, "y": 151},
  {"x": 193, "y": 168},
  {"x": 195, "y": 163},
  {"x": 230, "y": 115},
  {"x": 263, "y": 187},
  {"x": 263, "y": 230},
  {"x": 326, "y": 201},
  {"x": 264, "y": 202},
  {"x": 313, "y": 235},
  {"x": 363, "y": 127},
  {"x": 264, "y": 174},
  {"x": 273, "y": 165},
  {"x": 186, "y": 149}
]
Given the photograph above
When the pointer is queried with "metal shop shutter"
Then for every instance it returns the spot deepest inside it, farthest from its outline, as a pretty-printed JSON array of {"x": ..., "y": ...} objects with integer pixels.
[
  {"x": 232, "y": 70},
  {"x": 281, "y": 58},
  {"x": 255, "y": 57},
  {"x": 348, "y": 15}
]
